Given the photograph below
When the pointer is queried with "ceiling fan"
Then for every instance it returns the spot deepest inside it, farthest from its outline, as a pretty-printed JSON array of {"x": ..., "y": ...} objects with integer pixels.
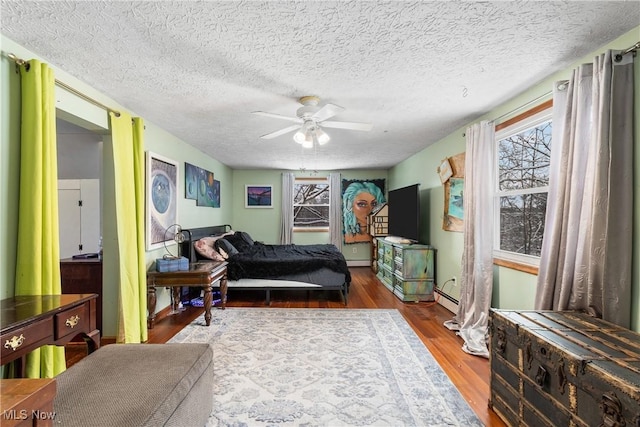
[{"x": 310, "y": 119}]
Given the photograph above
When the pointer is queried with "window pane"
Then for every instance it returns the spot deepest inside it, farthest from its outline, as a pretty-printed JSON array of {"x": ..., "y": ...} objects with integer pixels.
[
  {"x": 522, "y": 223},
  {"x": 311, "y": 205},
  {"x": 311, "y": 194},
  {"x": 311, "y": 216},
  {"x": 523, "y": 159}
]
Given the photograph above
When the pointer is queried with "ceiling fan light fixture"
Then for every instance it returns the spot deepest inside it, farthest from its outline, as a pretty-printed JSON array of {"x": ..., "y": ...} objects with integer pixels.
[
  {"x": 307, "y": 143},
  {"x": 311, "y": 116},
  {"x": 304, "y": 134},
  {"x": 308, "y": 137},
  {"x": 299, "y": 137},
  {"x": 322, "y": 136}
]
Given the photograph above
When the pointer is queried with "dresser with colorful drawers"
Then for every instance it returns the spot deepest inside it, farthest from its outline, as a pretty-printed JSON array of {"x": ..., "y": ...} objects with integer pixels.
[{"x": 407, "y": 270}]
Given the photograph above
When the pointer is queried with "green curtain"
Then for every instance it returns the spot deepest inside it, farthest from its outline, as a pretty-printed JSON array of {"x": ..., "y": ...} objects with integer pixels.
[
  {"x": 128, "y": 159},
  {"x": 38, "y": 251}
]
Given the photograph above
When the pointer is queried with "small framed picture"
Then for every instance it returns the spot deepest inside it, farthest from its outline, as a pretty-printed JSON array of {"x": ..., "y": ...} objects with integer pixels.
[
  {"x": 445, "y": 171},
  {"x": 453, "y": 205},
  {"x": 258, "y": 196}
]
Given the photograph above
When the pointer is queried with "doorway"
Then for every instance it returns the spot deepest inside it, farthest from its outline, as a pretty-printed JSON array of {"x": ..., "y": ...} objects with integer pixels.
[{"x": 79, "y": 189}]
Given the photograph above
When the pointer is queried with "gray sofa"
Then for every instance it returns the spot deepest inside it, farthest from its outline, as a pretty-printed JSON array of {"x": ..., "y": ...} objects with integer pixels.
[{"x": 137, "y": 385}]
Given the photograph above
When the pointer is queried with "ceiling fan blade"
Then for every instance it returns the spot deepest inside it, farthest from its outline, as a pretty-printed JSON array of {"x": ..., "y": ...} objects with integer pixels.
[
  {"x": 280, "y": 132},
  {"x": 347, "y": 125},
  {"x": 277, "y": 116},
  {"x": 328, "y": 111}
]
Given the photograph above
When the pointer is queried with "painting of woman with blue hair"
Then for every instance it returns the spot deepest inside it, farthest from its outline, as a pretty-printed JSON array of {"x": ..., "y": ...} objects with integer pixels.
[{"x": 359, "y": 199}]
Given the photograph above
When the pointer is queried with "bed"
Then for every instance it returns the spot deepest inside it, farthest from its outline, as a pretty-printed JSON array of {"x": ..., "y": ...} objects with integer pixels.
[{"x": 260, "y": 266}]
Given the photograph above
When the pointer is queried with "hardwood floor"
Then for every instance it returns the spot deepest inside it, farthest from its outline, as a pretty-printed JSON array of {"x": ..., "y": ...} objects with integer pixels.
[{"x": 469, "y": 373}]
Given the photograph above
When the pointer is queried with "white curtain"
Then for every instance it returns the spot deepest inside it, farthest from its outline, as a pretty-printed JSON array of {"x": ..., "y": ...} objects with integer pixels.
[
  {"x": 472, "y": 318},
  {"x": 335, "y": 211},
  {"x": 286, "y": 216},
  {"x": 585, "y": 262}
]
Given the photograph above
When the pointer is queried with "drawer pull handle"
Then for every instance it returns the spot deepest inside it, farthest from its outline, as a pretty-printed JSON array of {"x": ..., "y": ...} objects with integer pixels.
[
  {"x": 562, "y": 379},
  {"x": 72, "y": 321},
  {"x": 541, "y": 376},
  {"x": 611, "y": 411},
  {"x": 14, "y": 342},
  {"x": 528, "y": 354},
  {"x": 502, "y": 340}
]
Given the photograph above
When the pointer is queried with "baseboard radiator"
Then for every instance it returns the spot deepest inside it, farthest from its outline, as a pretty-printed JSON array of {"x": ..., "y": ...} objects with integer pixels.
[
  {"x": 358, "y": 263},
  {"x": 447, "y": 301}
]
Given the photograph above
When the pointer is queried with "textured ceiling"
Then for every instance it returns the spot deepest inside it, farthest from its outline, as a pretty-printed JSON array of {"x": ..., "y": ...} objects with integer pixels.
[{"x": 416, "y": 70}]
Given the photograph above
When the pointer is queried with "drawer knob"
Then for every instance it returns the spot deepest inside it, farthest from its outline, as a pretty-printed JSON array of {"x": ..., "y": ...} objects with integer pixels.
[
  {"x": 14, "y": 342},
  {"x": 72, "y": 321}
]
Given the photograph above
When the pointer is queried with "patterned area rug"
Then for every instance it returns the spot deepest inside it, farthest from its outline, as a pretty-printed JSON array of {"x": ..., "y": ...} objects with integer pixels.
[{"x": 324, "y": 367}]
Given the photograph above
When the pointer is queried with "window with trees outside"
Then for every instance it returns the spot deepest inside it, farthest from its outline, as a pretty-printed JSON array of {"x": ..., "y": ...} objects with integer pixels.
[
  {"x": 523, "y": 152},
  {"x": 311, "y": 204}
]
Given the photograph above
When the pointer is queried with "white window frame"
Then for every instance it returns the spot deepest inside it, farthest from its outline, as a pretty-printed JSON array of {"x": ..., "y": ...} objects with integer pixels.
[
  {"x": 521, "y": 125},
  {"x": 318, "y": 180}
]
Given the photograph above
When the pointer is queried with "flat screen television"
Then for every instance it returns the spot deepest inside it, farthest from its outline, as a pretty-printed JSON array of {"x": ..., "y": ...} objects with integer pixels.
[{"x": 404, "y": 213}]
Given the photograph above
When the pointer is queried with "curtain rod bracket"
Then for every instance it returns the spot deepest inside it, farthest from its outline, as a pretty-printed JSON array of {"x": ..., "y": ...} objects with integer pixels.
[
  {"x": 15, "y": 59},
  {"x": 19, "y": 62},
  {"x": 632, "y": 49}
]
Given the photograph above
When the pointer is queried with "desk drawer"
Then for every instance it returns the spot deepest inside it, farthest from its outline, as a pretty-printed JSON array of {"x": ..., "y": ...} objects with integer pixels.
[
  {"x": 72, "y": 321},
  {"x": 19, "y": 339}
]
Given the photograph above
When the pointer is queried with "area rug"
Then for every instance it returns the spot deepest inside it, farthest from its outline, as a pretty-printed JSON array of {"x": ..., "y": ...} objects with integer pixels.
[{"x": 324, "y": 367}]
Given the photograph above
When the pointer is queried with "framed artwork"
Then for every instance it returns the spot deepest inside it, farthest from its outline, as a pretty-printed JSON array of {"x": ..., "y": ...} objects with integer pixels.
[
  {"x": 206, "y": 190},
  {"x": 191, "y": 181},
  {"x": 453, "y": 219},
  {"x": 453, "y": 205},
  {"x": 216, "y": 193},
  {"x": 161, "y": 199},
  {"x": 359, "y": 199},
  {"x": 444, "y": 170},
  {"x": 258, "y": 196}
]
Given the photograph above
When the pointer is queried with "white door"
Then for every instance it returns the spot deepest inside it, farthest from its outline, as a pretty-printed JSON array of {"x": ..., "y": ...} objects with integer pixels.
[
  {"x": 79, "y": 216},
  {"x": 90, "y": 214},
  {"x": 69, "y": 218}
]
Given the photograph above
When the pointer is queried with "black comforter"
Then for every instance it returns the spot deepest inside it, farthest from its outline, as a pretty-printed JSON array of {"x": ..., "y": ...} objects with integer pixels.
[{"x": 261, "y": 261}]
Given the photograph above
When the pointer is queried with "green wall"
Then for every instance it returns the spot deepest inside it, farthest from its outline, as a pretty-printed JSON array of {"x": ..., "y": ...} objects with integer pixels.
[
  {"x": 512, "y": 289},
  {"x": 264, "y": 224},
  {"x": 72, "y": 108}
]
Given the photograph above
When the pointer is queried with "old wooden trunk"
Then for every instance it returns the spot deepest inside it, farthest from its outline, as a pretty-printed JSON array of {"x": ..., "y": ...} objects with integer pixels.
[{"x": 553, "y": 368}]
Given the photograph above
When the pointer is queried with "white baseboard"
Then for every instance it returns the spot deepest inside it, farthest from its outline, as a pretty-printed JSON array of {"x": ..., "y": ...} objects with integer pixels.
[
  {"x": 447, "y": 302},
  {"x": 360, "y": 263}
]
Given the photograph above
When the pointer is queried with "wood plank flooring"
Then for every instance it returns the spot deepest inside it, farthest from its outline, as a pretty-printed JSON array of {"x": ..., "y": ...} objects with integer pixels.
[{"x": 470, "y": 374}]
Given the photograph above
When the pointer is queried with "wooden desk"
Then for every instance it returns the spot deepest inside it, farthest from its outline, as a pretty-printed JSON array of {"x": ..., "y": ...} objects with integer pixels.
[
  {"x": 200, "y": 274},
  {"x": 29, "y": 322},
  {"x": 27, "y": 402}
]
